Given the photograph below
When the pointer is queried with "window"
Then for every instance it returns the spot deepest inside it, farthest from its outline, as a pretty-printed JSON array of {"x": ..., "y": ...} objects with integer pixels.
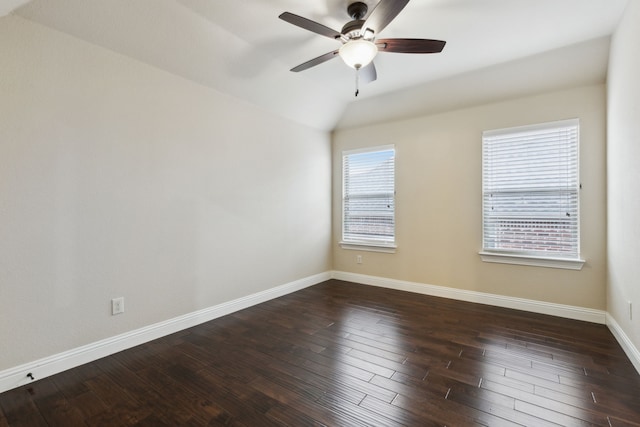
[
  {"x": 368, "y": 199},
  {"x": 530, "y": 189}
]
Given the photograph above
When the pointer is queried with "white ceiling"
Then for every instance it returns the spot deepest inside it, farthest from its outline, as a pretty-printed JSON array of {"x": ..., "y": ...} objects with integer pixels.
[{"x": 495, "y": 49}]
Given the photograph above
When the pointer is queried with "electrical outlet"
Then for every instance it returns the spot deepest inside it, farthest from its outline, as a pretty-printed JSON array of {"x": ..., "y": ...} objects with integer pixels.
[
  {"x": 117, "y": 305},
  {"x": 359, "y": 259}
]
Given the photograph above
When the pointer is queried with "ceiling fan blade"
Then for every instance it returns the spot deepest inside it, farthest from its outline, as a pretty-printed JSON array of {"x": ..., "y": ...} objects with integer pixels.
[
  {"x": 383, "y": 14},
  {"x": 410, "y": 45},
  {"x": 315, "y": 61},
  {"x": 310, "y": 25},
  {"x": 369, "y": 73}
]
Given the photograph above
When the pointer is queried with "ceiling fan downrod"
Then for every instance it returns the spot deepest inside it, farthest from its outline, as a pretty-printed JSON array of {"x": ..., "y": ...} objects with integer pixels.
[{"x": 357, "y": 10}]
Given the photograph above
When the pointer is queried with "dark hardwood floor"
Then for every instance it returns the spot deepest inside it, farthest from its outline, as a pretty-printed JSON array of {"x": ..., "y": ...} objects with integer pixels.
[{"x": 341, "y": 354}]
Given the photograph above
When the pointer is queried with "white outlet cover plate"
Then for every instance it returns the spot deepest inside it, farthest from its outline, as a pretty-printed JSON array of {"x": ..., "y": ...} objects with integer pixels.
[{"x": 117, "y": 305}]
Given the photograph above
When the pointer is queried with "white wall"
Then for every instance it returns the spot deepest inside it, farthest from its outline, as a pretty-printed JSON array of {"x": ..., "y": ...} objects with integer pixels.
[
  {"x": 439, "y": 200},
  {"x": 118, "y": 179},
  {"x": 623, "y": 175}
]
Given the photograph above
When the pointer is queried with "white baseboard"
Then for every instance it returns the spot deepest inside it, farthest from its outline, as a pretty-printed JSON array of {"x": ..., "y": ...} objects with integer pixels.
[
  {"x": 631, "y": 351},
  {"x": 17, "y": 376},
  {"x": 560, "y": 310}
]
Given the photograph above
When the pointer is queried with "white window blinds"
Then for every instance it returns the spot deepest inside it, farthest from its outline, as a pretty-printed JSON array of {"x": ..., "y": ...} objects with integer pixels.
[
  {"x": 531, "y": 190},
  {"x": 369, "y": 196}
]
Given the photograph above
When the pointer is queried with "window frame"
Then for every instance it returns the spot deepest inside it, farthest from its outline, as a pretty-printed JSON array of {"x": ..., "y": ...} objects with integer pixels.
[
  {"x": 363, "y": 244},
  {"x": 524, "y": 257}
]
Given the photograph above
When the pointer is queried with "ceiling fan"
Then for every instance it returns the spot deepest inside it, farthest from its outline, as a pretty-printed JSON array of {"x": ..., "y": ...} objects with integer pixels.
[{"x": 358, "y": 38}]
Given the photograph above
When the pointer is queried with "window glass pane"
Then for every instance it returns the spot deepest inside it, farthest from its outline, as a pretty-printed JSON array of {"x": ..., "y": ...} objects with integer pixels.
[
  {"x": 531, "y": 190},
  {"x": 369, "y": 197}
]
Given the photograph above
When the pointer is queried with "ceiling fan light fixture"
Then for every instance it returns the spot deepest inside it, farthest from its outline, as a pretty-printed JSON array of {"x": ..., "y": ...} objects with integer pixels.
[{"x": 358, "y": 53}]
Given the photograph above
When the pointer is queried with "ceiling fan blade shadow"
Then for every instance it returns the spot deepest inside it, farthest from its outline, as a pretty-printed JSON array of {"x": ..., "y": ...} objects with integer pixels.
[
  {"x": 369, "y": 73},
  {"x": 410, "y": 45},
  {"x": 315, "y": 61},
  {"x": 253, "y": 60},
  {"x": 383, "y": 14},
  {"x": 309, "y": 25}
]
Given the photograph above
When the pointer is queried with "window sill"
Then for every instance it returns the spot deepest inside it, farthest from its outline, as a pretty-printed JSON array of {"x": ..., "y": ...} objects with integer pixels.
[
  {"x": 564, "y": 263},
  {"x": 370, "y": 247}
]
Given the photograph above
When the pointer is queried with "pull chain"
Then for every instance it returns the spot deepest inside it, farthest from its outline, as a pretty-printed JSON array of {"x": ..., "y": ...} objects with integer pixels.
[{"x": 357, "y": 81}]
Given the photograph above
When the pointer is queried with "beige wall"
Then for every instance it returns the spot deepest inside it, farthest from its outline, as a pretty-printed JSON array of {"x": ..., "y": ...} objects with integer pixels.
[
  {"x": 623, "y": 176},
  {"x": 438, "y": 181},
  {"x": 118, "y": 179}
]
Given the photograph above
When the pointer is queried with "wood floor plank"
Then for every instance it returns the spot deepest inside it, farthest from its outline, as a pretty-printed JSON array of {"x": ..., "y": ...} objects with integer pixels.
[
  {"x": 320, "y": 413},
  {"x": 182, "y": 395},
  {"x": 342, "y": 354},
  {"x": 440, "y": 411},
  {"x": 288, "y": 416},
  {"x": 359, "y": 413},
  {"x": 54, "y": 406},
  {"x": 545, "y": 414},
  {"x": 71, "y": 383},
  {"x": 397, "y": 415},
  {"x": 88, "y": 404},
  {"x": 18, "y": 408},
  {"x": 346, "y": 388},
  {"x": 124, "y": 409},
  {"x": 575, "y": 407},
  {"x": 420, "y": 391}
]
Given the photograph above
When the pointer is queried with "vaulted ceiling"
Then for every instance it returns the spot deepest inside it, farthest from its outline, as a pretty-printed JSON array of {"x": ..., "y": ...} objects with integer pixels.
[{"x": 495, "y": 49}]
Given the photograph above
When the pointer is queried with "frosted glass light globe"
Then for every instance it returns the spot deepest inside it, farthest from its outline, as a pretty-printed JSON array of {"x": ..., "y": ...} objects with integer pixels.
[{"x": 358, "y": 53}]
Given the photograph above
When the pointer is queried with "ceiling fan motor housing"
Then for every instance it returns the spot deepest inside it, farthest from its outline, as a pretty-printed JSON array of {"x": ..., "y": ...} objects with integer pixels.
[{"x": 352, "y": 29}]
